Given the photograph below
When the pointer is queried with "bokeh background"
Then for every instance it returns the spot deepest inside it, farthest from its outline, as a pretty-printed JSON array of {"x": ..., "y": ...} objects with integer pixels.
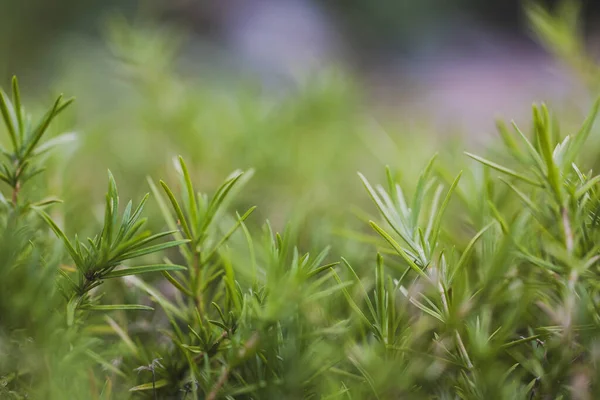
[{"x": 305, "y": 92}]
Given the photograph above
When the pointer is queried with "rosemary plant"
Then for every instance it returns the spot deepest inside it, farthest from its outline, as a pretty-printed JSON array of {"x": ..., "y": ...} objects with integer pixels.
[{"x": 480, "y": 284}]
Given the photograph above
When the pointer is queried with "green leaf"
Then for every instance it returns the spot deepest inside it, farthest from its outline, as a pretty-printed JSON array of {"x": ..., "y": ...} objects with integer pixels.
[
  {"x": 399, "y": 250},
  {"x": 438, "y": 218},
  {"x": 506, "y": 375},
  {"x": 39, "y": 131},
  {"x": 216, "y": 306},
  {"x": 55, "y": 141},
  {"x": 587, "y": 186},
  {"x": 362, "y": 287},
  {"x": 543, "y": 135},
  {"x": 434, "y": 313},
  {"x": 520, "y": 341},
  {"x": 509, "y": 140},
  {"x": 71, "y": 250},
  {"x": 177, "y": 284},
  {"x": 69, "y": 280},
  {"x": 467, "y": 252},
  {"x": 18, "y": 107},
  {"x": 170, "y": 308},
  {"x": 143, "y": 270},
  {"x": 434, "y": 210},
  {"x": 366, "y": 375},
  {"x": 71, "y": 307},
  {"x": 220, "y": 197},
  {"x": 107, "y": 365},
  {"x": 419, "y": 193},
  {"x": 192, "y": 205},
  {"x": 351, "y": 302},
  {"x": 124, "y": 222},
  {"x": 532, "y": 206},
  {"x": 137, "y": 242},
  {"x": 218, "y": 324},
  {"x": 393, "y": 220},
  {"x": 30, "y": 174},
  {"x": 328, "y": 292},
  {"x": 113, "y": 198},
  {"x": 137, "y": 213},
  {"x": 47, "y": 201},
  {"x": 116, "y": 307},
  {"x": 231, "y": 231},
  {"x": 6, "y": 179},
  {"x": 64, "y": 105},
  {"x": 222, "y": 192},
  {"x": 251, "y": 250},
  {"x": 181, "y": 218},
  {"x": 163, "y": 207},
  {"x": 7, "y": 111},
  {"x": 316, "y": 271},
  {"x": 530, "y": 149},
  {"x": 504, "y": 170},
  {"x": 151, "y": 249},
  {"x": 380, "y": 291},
  {"x": 149, "y": 386}
]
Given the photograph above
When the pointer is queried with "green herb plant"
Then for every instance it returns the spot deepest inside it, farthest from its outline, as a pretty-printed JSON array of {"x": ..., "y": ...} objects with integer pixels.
[{"x": 480, "y": 280}]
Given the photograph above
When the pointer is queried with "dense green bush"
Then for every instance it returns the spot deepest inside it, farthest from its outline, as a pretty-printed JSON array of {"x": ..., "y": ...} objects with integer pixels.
[{"x": 474, "y": 284}]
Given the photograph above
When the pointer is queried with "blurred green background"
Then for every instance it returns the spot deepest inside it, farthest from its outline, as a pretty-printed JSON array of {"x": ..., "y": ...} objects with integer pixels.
[{"x": 305, "y": 92}]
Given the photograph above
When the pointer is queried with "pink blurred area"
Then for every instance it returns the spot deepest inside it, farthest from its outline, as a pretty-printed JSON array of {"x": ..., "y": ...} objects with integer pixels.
[
  {"x": 458, "y": 72},
  {"x": 469, "y": 74}
]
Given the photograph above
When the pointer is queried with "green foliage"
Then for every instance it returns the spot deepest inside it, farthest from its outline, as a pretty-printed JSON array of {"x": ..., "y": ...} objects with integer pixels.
[
  {"x": 19, "y": 167},
  {"x": 479, "y": 284},
  {"x": 524, "y": 282},
  {"x": 100, "y": 258}
]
